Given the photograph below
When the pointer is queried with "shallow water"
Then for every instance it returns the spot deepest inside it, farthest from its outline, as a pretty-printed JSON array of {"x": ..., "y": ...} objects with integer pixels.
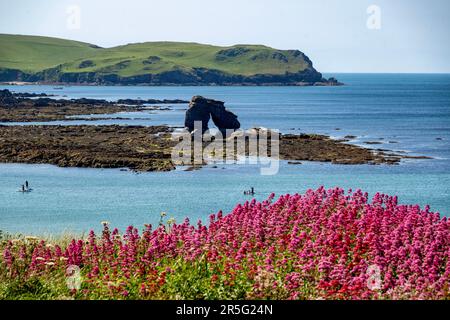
[{"x": 410, "y": 110}]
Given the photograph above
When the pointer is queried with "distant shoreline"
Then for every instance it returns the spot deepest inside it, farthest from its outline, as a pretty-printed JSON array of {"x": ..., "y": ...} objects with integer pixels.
[{"x": 299, "y": 84}]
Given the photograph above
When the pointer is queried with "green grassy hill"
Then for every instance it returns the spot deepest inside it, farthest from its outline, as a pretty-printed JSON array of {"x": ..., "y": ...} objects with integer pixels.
[
  {"x": 33, "y": 58},
  {"x": 154, "y": 57},
  {"x": 31, "y": 53}
]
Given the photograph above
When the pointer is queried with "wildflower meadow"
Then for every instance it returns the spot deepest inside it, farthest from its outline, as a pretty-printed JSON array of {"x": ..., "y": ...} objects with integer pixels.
[{"x": 324, "y": 244}]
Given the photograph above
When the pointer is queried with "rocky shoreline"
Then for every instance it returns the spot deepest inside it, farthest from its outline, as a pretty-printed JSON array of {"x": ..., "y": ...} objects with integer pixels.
[
  {"x": 20, "y": 107},
  {"x": 136, "y": 81},
  {"x": 142, "y": 148},
  {"x": 149, "y": 148},
  {"x": 313, "y": 147},
  {"x": 137, "y": 148}
]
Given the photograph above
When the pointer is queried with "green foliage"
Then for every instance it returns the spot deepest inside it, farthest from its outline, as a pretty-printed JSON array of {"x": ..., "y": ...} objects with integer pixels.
[
  {"x": 192, "y": 280},
  {"x": 32, "y": 289}
]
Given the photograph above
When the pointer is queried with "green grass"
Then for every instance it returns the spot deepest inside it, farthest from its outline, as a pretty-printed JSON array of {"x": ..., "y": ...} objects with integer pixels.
[{"x": 33, "y": 54}]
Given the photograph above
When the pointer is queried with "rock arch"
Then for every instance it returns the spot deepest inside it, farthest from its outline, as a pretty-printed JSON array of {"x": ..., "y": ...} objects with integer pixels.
[{"x": 203, "y": 109}]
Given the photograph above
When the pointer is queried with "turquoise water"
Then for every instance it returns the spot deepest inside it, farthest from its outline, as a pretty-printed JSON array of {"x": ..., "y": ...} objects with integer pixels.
[{"x": 411, "y": 110}]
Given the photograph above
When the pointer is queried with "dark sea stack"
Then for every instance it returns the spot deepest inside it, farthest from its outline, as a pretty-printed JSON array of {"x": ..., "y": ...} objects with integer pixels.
[
  {"x": 202, "y": 109},
  {"x": 224, "y": 119},
  {"x": 198, "y": 111}
]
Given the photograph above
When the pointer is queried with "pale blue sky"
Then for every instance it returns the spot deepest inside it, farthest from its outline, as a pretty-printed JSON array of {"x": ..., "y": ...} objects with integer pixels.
[{"x": 414, "y": 34}]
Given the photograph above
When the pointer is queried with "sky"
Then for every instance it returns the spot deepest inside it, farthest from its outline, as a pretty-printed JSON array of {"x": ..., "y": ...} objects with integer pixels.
[{"x": 393, "y": 36}]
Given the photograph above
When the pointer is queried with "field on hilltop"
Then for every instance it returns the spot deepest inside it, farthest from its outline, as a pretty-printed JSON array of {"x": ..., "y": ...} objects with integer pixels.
[
  {"x": 34, "y": 58},
  {"x": 155, "y": 57},
  {"x": 31, "y": 53}
]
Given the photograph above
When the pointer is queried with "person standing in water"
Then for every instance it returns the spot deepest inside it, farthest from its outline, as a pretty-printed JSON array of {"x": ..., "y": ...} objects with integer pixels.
[
  {"x": 23, "y": 188},
  {"x": 26, "y": 185},
  {"x": 250, "y": 192}
]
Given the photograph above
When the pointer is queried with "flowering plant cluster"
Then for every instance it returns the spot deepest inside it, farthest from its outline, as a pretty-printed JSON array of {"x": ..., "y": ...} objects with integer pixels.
[{"x": 325, "y": 244}]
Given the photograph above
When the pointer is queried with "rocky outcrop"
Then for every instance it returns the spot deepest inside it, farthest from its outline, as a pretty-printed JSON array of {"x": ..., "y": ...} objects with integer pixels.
[
  {"x": 224, "y": 119},
  {"x": 31, "y": 95},
  {"x": 136, "y": 148},
  {"x": 191, "y": 77},
  {"x": 26, "y": 107},
  {"x": 7, "y": 74},
  {"x": 198, "y": 111},
  {"x": 150, "y": 101},
  {"x": 7, "y": 98},
  {"x": 203, "y": 109},
  {"x": 149, "y": 148}
]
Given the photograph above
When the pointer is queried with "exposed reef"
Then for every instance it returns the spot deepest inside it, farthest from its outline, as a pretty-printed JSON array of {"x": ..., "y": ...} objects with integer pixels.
[
  {"x": 137, "y": 148},
  {"x": 19, "y": 107},
  {"x": 149, "y": 148}
]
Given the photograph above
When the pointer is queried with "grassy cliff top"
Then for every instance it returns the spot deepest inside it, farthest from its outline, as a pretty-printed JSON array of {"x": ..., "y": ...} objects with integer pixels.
[
  {"x": 32, "y": 53},
  {"x": 35, "y": 53}
]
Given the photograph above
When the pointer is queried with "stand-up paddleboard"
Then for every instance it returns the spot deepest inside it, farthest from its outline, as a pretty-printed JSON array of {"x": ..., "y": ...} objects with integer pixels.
[{"x": 25, "y": 191}]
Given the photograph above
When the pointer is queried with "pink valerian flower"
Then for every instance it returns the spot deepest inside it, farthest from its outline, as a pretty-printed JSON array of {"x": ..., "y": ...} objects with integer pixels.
[{"x": 8, "y": 257}]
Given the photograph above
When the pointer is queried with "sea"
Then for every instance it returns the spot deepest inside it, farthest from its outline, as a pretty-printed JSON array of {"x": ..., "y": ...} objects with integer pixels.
[{"x": 405, "y": 113}]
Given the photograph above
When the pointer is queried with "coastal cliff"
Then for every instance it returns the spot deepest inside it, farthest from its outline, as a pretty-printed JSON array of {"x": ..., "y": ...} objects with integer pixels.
[{"x": 51, "y": 60}]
